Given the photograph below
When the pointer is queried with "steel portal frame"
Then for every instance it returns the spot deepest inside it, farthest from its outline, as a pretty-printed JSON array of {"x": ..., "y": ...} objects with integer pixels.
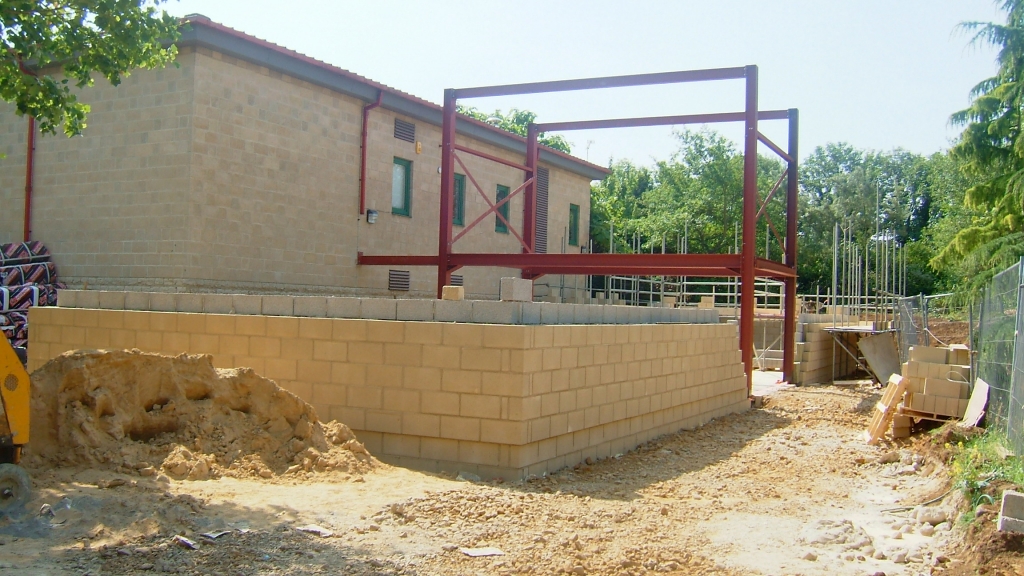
[{"x": 746, "y": 265}]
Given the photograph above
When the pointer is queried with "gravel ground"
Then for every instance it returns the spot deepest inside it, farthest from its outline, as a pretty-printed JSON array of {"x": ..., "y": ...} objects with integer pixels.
[{"x": 787, "y": 489}]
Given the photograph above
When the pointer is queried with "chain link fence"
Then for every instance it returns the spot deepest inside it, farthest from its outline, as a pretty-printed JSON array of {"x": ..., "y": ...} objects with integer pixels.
[
  {"x": 912, "y": 323},
  {"x": 999, "y": 346}
]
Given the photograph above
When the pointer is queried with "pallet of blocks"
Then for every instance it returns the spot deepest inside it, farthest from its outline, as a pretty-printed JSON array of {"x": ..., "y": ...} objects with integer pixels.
[
  {"x": 937, "y": 386},
  {"x": 886, "y": 409}
]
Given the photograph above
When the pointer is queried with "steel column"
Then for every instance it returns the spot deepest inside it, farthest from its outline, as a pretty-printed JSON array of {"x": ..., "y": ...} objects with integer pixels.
[
  {"x": 790, "y": 311},
  {"x": 749, "y": 253},
  {"x": 444, "y": 231}
]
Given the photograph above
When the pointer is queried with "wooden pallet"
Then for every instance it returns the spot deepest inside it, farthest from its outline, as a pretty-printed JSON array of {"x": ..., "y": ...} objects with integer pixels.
[
  {"x": 885, "y": 409},
  {"x": 917, "y": 415}
]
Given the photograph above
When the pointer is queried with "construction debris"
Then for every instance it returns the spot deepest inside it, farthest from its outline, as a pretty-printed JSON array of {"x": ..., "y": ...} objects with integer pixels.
[{"x": 141, "y": 413}]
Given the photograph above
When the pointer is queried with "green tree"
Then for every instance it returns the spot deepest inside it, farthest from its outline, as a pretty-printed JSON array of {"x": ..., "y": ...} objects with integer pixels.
[
  {"x": 991, "y": 149},
  {"x": 53, "y": 46},
  {"x": 516, "y": 121}
]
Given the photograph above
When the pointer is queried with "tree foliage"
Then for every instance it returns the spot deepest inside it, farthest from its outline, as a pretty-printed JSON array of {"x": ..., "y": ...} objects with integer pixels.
[
  {"x": 991, "y": 150},
  {"x": 516, "y": 121},
  {"x": 52, "y": 46}
]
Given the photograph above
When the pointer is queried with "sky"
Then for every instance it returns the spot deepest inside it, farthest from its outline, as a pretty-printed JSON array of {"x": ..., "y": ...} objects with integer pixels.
[{"x": 878, "y": 74}]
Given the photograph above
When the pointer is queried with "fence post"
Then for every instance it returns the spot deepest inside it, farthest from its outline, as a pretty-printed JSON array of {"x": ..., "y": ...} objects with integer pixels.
[{"x": 924, "y": 320}]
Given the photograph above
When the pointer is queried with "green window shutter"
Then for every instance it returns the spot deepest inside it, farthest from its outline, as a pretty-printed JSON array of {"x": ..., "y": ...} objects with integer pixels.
[
  {"x": 459, "y": 208},
  {"x": 499, "y": 226},
  {"x": 401, "y": 187},
  {"x": 574, "y": 225}
]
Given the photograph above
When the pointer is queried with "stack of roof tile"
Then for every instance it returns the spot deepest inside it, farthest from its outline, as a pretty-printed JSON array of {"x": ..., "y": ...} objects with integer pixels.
[{"x": 27, "y": 278}]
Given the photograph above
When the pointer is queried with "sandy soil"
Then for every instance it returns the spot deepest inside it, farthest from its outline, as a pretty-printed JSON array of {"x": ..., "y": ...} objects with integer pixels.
[{"x": 787, "y": 489}]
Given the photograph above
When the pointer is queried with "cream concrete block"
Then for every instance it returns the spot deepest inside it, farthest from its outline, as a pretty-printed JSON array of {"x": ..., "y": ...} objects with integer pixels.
[
  {"x": 218, "y": 324},
  {"x": 217, "y": 303},
  {"x": 384, "y": 331},
  {"x": 310, "y": 306},
  {"x": 403, "y": 354},
  {"x": 191, "y": 303},
  {"x": 251, "y": 325},
  {"x": 480, "y": 406},
  {"x": 203, "y": 344},
  {"x": 313, "y": 371},
  {"x": 462, "y": 335},
  {"x": 111, "y": 300},
  {"x": 441, "y": 356},
  {"x": 380, "y": 375},
  {"x": 316, "y": 328},
  {"x": 509, "y": 337},
  {"x": 503, "y": 432},
  {"x": 479, "y": 453},
  {"x": 278, "y": 305},
  {"x": 346, "y": 373},
  {"x": 522, "y": 409},
  {"x": 174, "y": 343},
  {"x": 414, "y": 310},
  {"x": 439, "y": 449},
  {"x": 343, "y": 307},
  {"x": 280, "y": 369},
  {"x": 366, "y": 352},
  {"x": 423, "y": 333},
  {"x": 453, "y": 310},
  {"x": 516, "y": 290},
  {"x": 402, "y": 400},
  {"x": 453, "y": 293},
  {"x": 458, "y": 428},
  {"x": 421, "y": 425},
  {"x": 378, "y": 308},
  {"x": 506, "y": 384},
  {"x": 548, "y": 313},
  {"x": 144, "y": 340},
  {"x": 297, "y": 348},
  {"x": 446, "y": 403},
  {"x": 67, "y": 298},
  {"x": 482, "y": 359},
  {"x": 283, "y": 327},
  {"x": 89, "y": 299},
  {"x": 330, "y": 351},
  {"x": 531, "y": 313},
  {"x": 385, "y": 421},
  {"x": 464, "y": 381},
  {"x": 234, "y": 345},
  {"x": 158, "y": 301},
  {"x": 247, "y": 304},
  {"x": 349, "y": 330},
  {"x": 365, "y": 396},
  {"x": 264, "y": 347},
  {"x": 189, "y": 323}
]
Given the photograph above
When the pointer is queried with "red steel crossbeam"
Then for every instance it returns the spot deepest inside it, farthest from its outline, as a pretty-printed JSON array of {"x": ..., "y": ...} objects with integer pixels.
[
  {"x": 746, "y": 265},
  {"x": 775, "y": 147},
  {"x": 771, "y": 226},
  {"x": 491, "y": 207},
  {"x": 771, "y": 194}
]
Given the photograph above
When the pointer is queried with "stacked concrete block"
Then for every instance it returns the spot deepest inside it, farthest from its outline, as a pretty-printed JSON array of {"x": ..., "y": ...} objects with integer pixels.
[
  {"x": 497, "y": 400},
  {"x": 936, "y": 385}
]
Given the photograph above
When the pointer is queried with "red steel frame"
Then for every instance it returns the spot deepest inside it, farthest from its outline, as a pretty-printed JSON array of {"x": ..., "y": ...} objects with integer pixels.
[{"x": 746, "y": 265}]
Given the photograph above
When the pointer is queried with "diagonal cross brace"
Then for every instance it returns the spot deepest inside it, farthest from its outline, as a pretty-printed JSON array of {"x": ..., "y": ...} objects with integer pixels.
[{"x": 491, "y": 206}]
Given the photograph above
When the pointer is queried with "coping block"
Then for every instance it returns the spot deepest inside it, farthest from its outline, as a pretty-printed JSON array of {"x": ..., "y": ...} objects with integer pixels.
[
  {"x": 516, "y": 290},
  {"x": 453, "y": 293},
  {"x": 415, "y": 309},
  {"x": 1011, "y": 513}
]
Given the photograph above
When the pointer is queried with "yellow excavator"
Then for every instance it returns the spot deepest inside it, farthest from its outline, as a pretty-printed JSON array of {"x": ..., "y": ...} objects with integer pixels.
[{"x": 15, "y": 486}]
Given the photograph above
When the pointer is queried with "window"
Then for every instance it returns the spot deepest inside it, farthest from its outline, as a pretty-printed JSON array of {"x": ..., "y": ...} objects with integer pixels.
[
  {"x": 459, "y": 207},
  {"x": 401, "y": 187},
  {"x": 499, "y": 226},
  {"x": 405, "y": 130},
  {"x": 574, "y": 225}
]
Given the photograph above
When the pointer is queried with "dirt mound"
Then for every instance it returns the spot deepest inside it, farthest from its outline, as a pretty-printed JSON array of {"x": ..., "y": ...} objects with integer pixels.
[{"x": 134, "y": 411}]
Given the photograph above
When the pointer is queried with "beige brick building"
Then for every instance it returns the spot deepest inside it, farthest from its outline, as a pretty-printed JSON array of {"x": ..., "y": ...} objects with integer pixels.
[{"x": 239, "y": 171}]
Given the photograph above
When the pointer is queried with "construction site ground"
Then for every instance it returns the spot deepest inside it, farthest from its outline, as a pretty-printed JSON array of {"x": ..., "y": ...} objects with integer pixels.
[{"x": 790, "y": 488}]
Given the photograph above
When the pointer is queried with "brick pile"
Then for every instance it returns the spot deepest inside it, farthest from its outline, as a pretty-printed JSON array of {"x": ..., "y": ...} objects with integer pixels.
[
  {"x": 938, "y": 386},
  {"x": 27, "y": 278}
]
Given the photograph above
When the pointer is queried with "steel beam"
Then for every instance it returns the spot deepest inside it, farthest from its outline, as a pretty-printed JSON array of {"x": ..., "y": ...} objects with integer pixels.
[
  {"x": 747, "y": 295},
  {"x": 603, "y": 82},
  {"x": 789, "y": 310},
  {"x": 390, "y": 260},
  {"x": 775, "y": 147},
  {"x": 658, "y": 121}
]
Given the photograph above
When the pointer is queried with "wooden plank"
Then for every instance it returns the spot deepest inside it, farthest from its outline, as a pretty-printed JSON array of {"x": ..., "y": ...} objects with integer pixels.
[
  {"x": 885, "y": 409},
  {"x": 903, "y": 411},
  {"x": 976, "y": 405}
]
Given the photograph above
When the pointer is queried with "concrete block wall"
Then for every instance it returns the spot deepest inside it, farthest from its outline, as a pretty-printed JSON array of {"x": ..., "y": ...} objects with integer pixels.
[
  {"x": 818, "y": 358},
  {"x": 469, "y": 311},
  {"x": 498, "y": 400}
]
